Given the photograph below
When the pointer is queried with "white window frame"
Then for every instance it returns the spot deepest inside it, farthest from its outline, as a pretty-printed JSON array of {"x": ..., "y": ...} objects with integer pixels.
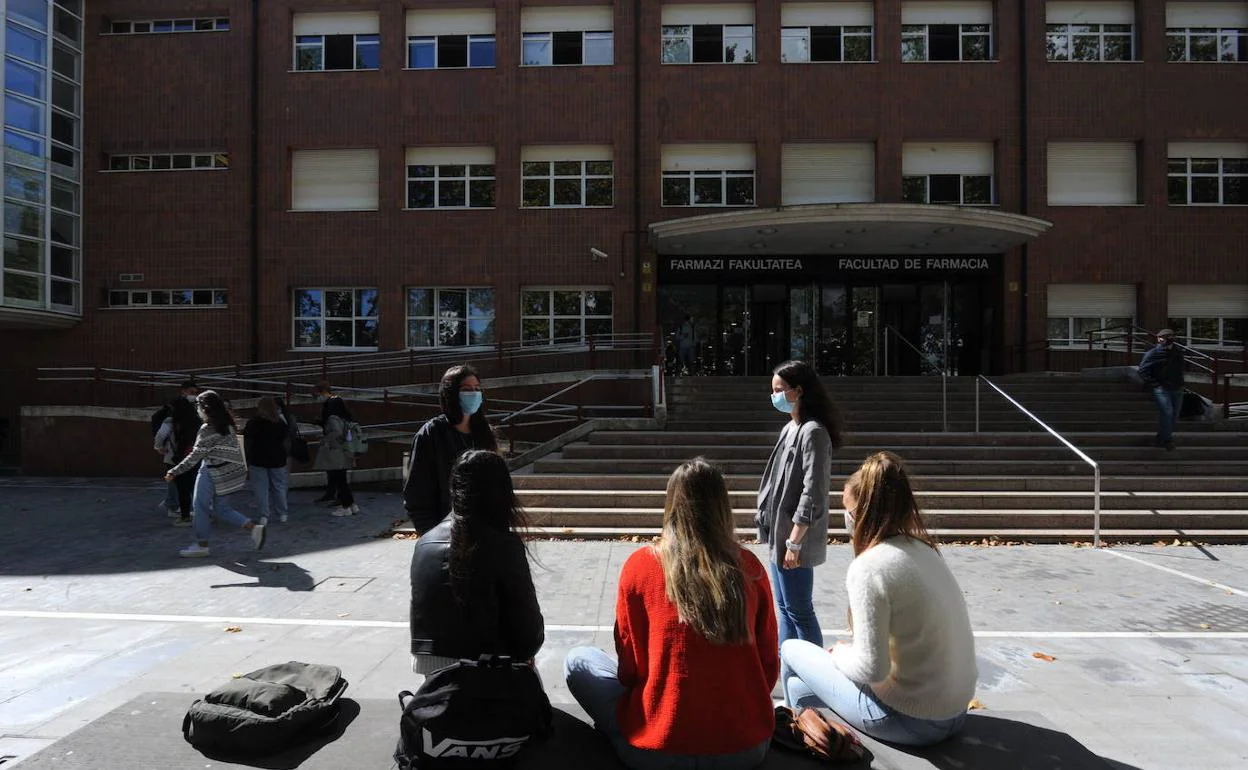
[
  {"x": 550, "y": 316},
  {"x": 722, "y": 176},
  {"x": 804, "y": 34},
  {"x": 1234, "y": 39},
  {"x": 1071, "y": 341},
  {"x": 587, "y": 35},
  {"x": 437, "y": 318},
  {"x": 962, "y": 180},
  {"x": 198, "y": 161},
  {"x": 684, "y": 33},
  {"x": 150, "y": 26},
  {"x": 303, "y": 42},
  {"x": 1069, "y": 32},
  {"x": 323, "y": 319},
  {"x": 527, "y": 175},
  {"x": 146, "y": 299},
  {"x": 1221, "y": 175},
  {"x": 435, "y": 42},
  {"x": 921, "y": 31},
  {"x": 468, "y": 178},
  {"x": 1183, "y": 331}
]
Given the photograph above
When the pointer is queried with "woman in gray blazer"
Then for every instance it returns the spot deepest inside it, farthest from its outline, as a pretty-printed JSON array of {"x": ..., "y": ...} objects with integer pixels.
[{"x": 792, "y": 513}]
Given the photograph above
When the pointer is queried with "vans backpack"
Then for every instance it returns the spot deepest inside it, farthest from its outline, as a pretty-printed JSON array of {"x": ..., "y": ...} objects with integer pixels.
[
  {"x": 266, "y": 711},
  {"x": 472, "y": 714},
  {"x": 354, "y": 439}
]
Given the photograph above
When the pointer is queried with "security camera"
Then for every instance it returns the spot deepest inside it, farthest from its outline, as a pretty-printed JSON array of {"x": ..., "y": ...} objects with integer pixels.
[{"x": 595, "y": 254}]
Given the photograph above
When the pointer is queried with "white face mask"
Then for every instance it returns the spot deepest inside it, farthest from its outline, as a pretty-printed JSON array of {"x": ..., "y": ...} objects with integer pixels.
[
  {"x": 849, "y": 522},
  {"x": 190, "y": 398}
]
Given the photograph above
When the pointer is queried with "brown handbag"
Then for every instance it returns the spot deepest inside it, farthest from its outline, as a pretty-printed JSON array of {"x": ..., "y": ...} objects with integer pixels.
[{"x": 813, "y": 734}]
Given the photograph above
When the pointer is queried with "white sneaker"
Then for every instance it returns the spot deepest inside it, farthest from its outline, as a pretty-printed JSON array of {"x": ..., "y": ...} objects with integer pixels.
[
  {"x": 345, "y": 510},
  {"x": 258, "y": 535},
  {"x": 174, "y": 513},
  {"x": 264, "y": 521},
  {"x": 283, "y": 518},
  {"x": 355, "y": 509},
  {"x": 195, "y": 551}
]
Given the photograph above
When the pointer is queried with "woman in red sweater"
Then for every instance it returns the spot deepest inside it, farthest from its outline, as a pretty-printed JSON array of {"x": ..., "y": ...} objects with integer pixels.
[{"x": 695, "y": 634}]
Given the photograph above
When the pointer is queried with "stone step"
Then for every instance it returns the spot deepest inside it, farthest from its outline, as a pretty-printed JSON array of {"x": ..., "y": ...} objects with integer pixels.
[
  {"x": 1166, "y": 463},
  {"x": 911, "y": 453},
  {"x": 969, "y": 535},
  {"x": 932, "y": 501},
  {"x": 982, "y": 519},
  {"x": 963, "y": 399},
  {"x": 1014, "y": 483},
  {"x": 869, "y": 439},
  {"x": 932, "y": 423}
]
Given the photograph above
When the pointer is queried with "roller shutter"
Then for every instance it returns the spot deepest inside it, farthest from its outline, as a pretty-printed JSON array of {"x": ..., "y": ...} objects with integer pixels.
[
  {"x": 354, "y": 23},
  {"x": 1092, "y": 174},
  {"x": 575, "y": 18},
  {"x": 923, "y": 158},
  {"x": 560, "y": 152},
  {"x": 708, "y": 157},
  {"x": 948, "y": 12},
  {"x": 1216, "y": 14},
  {"x": 1091, "y": 300},
  {"x": 713, "y": 13},
  {"x": 1089, "y": 13},
  {"x": 827, "y": 15},
  {"x": 334, "y": 180},
  {"x": 1190, "y": 300},
  {"x": 827, "y": 173},
  {"x": 462, "y": 21},
  {"x": 1207, "y": 150},
  {"x": 449, "y": 156}
]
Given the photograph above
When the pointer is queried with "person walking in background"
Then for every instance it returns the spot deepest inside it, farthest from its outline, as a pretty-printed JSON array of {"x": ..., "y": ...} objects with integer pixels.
[
  {"x": 264, "y": 443},
  {"x": 460, "y": 427},
  {"x": 166, "y": 444},
  {"x": 221, "y": 473},
  {"x": 695, "y": 639},
  {"x": 792, "y": 513},
  {"x": 909, "y": 673},
  {"x": 181, "y": 426},
  {"x": 685, "y": 346},
  {"x": 1162, "y": 369},
  {"x": 472, "y": 591},
  {"x": 333, "y": 455}
]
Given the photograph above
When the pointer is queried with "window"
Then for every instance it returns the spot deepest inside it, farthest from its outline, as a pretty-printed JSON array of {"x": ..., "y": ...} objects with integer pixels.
[
  {"x": 567, "y": 35},
  {"x": 549, "y": 182},
  {"x": 168, "y": 25},
  {"x": 1090, "y": 42},
  {"x": 956, "y": 189},
  {"x": 335, "y": 318},
  {"x": 334, "y": 180},
  {"x": 167, "y": 299},
  {"x": 169, "y": 162},
  {"x": 450, "y": 52},
  {"x": 1074, "y": 310},
  {"x": 450, "y": 177},
  {"x": 825, "y": 44},
  {"x": 1209, "y": 315},
  {"x": 708, "y": 188},
  {"x": 450, "y": 318},
  {"x": 315, "y": 53},
  {"x": 1207, "y": 174},
  {"x": 946, "y": 42},
  {"x": 708, "y": 44},
  {"x": 1207, "y": 32},
  {"x": 1092, "y": 174},
  {"x": 565, "y": 316},
  {"x": 546, "y": 49}
]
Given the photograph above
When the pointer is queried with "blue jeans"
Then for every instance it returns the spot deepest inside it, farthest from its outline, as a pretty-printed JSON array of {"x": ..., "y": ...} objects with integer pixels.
[
  {"x": 208, "y": 504},
  {"x": 816, "y": 682},
  {"x": 269, "y": 486},
  {"x": 171, "y": 493},
  {"x": 1169, "y": 404},
  {"x": 795, "y": 603},
  {"x": 592, "y": 678}
]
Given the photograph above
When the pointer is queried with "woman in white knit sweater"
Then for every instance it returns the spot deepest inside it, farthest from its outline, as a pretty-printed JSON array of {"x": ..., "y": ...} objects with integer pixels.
[{"x": 909, "y": 672}]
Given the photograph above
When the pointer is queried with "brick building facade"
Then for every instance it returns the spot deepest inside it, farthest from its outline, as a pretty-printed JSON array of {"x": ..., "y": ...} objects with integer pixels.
[{"x": 213, "y": 131}]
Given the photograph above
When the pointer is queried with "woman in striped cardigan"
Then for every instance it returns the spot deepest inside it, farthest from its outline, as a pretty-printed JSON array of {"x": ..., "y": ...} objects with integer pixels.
[{"x": 223, "y": 471}]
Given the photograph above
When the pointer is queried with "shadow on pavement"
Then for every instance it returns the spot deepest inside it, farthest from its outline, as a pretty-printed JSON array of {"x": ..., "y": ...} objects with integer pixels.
[{"x": 269, "y": 574}]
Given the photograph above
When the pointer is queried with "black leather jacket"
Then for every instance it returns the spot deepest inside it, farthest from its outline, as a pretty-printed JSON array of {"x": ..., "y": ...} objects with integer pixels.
[{"x": 500, "y": 615}]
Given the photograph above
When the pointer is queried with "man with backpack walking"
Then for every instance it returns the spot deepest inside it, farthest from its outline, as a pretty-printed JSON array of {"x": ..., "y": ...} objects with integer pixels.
[
  {"x": 174, "y": 427},
  {"x": 1162, "y": 369},
  {"x": 336, "y": 453}
]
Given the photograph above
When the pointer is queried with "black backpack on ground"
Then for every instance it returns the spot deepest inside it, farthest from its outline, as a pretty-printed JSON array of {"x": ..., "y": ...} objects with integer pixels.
[
  {"x": 472, "y": 714},
  {"x": 266, "y": 711}
]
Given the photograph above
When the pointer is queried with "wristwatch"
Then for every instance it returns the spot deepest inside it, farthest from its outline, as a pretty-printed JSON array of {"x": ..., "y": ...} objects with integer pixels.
[{"x": 792, "y": 546}]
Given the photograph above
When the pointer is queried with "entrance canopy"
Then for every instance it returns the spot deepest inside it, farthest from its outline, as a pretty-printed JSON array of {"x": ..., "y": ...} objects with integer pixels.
[{"x": 848, "y": 228}]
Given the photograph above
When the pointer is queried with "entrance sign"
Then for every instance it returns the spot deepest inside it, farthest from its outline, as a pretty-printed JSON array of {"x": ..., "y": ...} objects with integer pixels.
[{"x": 709, "y": 269}]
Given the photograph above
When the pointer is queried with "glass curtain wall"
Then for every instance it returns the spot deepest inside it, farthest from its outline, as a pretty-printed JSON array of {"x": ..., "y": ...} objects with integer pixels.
[{"x": 42, "y": 155}]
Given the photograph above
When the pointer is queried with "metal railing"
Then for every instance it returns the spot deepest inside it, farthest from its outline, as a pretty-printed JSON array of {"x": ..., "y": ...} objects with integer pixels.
[
  {"x": 1096, "y": 469},
  {"x": 1233, "y": 410},
  {"x": 944, "y": 374}
]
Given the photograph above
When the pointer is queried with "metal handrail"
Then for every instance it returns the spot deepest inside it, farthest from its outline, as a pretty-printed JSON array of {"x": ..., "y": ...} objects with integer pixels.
[
  {"x": 1096, "y": 469},
  {"x": 944, "y": 374}
]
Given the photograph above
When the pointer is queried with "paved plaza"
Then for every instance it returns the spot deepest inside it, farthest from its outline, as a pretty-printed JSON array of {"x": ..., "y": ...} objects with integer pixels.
[{"x": 1149, "y": 644}]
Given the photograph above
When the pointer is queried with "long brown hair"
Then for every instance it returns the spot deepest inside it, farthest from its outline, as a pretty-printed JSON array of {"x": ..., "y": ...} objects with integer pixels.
[
  {"x": 701, "y": 557},
  {"x": 884, "y": 503}
]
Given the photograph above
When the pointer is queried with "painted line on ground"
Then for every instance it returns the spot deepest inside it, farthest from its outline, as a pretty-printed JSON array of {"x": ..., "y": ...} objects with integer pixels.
[
  {"x": 397, "y": 624},
  {"x": 1193, "y": 578}
]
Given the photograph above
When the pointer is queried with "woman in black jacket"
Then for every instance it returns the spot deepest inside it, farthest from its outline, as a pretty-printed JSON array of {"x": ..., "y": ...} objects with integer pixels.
[
  {"x": 460, "y": 427},
  {"x": 472, "y": 592},
  {"x": 264, "y": 442}
]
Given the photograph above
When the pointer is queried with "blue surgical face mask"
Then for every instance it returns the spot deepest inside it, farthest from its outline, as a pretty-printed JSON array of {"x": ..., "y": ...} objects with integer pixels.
[
  {"x": 780, "y": 402},
  {"x": 470, "y": 401}
]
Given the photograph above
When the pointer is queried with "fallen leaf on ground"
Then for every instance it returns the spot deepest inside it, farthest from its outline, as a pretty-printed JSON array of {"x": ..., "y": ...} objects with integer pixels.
[
  {"x": 975, "y": 705},
  {"x": 1205, "y": 626},
  {"x": 1043, "y": 656},
  {"x": 343, "y": 614},
  {"x": 233, "y": 629}
]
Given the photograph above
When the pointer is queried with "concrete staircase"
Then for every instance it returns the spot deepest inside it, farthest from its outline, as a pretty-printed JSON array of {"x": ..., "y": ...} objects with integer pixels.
[{"x": 1011, "y": 481}]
